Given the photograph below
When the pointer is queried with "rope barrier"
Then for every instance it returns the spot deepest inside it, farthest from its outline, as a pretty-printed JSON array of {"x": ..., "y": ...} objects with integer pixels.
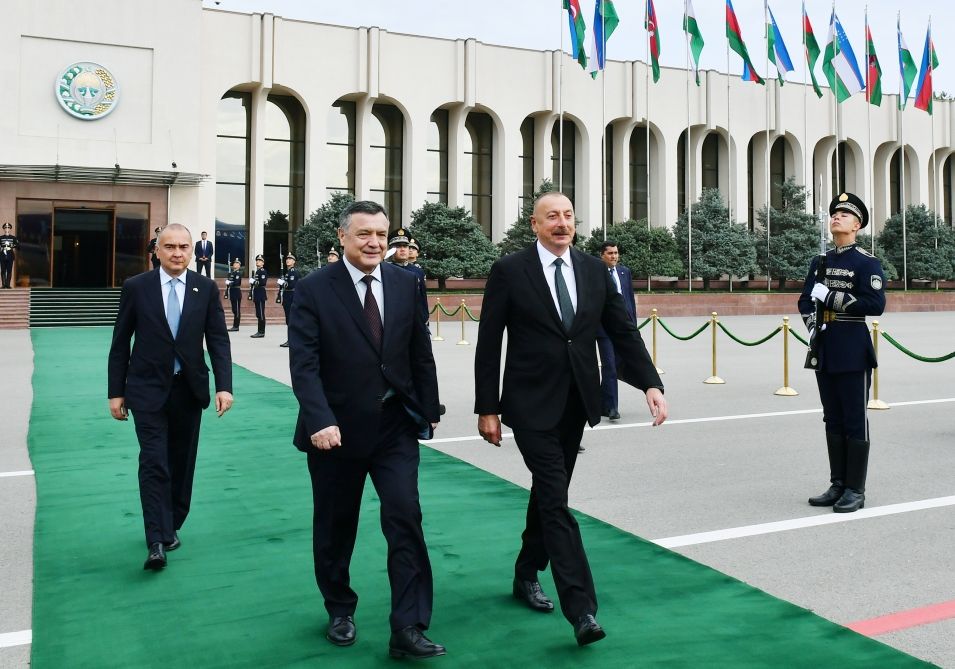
[
  {"x": 749, "y": 343},
  {"x": 920, "y": 358},
  {"x": 640, "y": 327},
  {"x": 804, "y": 342},
  {"x": 676, "y": 336}
]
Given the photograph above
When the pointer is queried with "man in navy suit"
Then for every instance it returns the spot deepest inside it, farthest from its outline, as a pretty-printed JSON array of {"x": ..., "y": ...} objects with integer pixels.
[
  {"x": 204, "y": 252},
  {"x": 364, "y": 376},
  {"x": 623, "y": 282},
  {"x": 164, "y": 380}
]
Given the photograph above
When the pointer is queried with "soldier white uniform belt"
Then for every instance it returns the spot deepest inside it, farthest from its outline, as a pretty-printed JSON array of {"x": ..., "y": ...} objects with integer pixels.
[{"x": 829, "y": 316}]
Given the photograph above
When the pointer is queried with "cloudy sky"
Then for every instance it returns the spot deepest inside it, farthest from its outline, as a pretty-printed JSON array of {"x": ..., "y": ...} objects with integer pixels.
[{"x": 536, "y": 24}]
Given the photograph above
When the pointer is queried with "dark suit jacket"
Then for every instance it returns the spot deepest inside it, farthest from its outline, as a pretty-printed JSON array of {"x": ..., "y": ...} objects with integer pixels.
[
  {"x": 144, "y": 377},
  {"x": 629, "y": 301},
  {"x": 338, "y": 374},
  {"x": 542, "y": 358},
  {"x": 199, "y": 253}
]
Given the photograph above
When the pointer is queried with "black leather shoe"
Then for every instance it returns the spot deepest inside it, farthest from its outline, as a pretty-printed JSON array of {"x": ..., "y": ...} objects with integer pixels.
[
  {"x": 614, "y": 415},
  {"x": 829, "y": 497},
  {"x": 851, "y": 500},
  {"x": 174, "y": 544},
  {"x": 587, "y": 630},
  {"x": 530, "y": 593},
  {"x": 157, "y": 557},
  {"x": 257, "y": 335},
  {"x": 341, "y": 630},
  {"x": 283, "y": 345},
  {"x": 232, "y": 330},
  {"x": 411, "y": 642},
  {"x": 581, "y": 449}
]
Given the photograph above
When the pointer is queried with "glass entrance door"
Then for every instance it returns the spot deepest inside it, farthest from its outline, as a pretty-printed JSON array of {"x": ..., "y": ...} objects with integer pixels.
[{"x": 82, "y": 248}]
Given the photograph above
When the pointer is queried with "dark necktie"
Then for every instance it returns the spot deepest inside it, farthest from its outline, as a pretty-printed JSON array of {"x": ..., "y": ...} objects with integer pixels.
[
  {"x": 563, "y": 296},
  {"x": 372, "y": 315}
]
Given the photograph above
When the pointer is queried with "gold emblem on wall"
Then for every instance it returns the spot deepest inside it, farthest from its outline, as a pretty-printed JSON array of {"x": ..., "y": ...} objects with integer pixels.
[{"x": 87, "y": 91}]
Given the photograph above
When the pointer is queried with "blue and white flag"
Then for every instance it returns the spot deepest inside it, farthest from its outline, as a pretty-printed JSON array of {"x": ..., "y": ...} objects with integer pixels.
[
  {"x": 777, "y": 48},
  {"x": 839, "y": 63}
]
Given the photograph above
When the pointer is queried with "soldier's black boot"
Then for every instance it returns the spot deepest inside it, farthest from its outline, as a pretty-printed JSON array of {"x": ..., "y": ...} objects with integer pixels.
[
  {"x": 857, "y": 464},
  {"x": 235, "y": 324},
  {"x": 261, "y": 331},
  {"x": 836, "y": 445}
]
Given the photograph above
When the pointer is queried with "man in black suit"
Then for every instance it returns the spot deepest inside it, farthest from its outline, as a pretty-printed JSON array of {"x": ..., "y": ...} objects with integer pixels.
[
  {"x": 164, "y": 381},
  {"x": 623, "y": 282},
  {"x": 552, "y": 299},
  {"x": 204, "y": 255},
  {"x": 364, "y": 375}
]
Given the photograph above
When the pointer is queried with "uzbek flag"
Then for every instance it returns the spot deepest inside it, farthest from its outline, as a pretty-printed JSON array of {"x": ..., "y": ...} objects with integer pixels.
[
  {"x": 735, "y": 37},
  {"x": 654, "y": 29},
  {"x": 811, "y": 48},
  {"x": 605, "y": 22},
  {"x": 923, "y": 95},
  {"x": 693, "y": 34},
  {"x": 873, "y": 71},
  {"x": 839, "y": 63},
  {"x": 778, "y": 53},
  {"x": 907, "y": 69},
  {"x": 577, "y": 31}
]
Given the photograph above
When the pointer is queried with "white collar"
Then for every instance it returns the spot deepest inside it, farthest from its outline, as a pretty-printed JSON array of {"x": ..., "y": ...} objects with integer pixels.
[
  {"x": 165, "y": 278},
  {"x": 357, "y": 275},
  {"x": 548, "y": 258}
]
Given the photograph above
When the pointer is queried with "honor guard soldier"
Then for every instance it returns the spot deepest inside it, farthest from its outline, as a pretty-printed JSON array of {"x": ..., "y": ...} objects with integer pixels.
[
  {"x": 257, "y": 294},
  {"x": 234, "y": 289},
  {"x": 8, "y": 243},
  {"x": 333, "y": 255},
  {"x": 287, "y": 289},
  {"x": 400, "y": 257},
  {"x": 851, "y": 287},
  {"x": 413, "y": 251},
  {"x": 151, "y": 249}
]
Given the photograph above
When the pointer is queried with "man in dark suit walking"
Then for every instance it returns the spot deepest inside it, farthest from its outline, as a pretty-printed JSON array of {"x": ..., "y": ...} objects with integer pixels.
[
  {"x": 364, "y": 375},
  {"x": 552, "y": 299},
  {"x": 164, "y": 381},
  {"x": 204, "y": 252},
  {"x": 623, "y": 282}
]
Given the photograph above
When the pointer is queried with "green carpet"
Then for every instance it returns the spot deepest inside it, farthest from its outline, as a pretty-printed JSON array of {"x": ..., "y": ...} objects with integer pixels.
[{"x": 240, "y": 592}]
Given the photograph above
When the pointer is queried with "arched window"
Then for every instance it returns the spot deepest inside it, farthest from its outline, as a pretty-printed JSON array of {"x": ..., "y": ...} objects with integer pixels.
[
  {"x": 565, "y": 158},
  {"x": 778, "y": 157},
  {"x": 385, "y": 157},
  {"x": 681, "y": 173},
  {"x": 839, "y": 169},
  {"x": 895, "y": 183},
  {"x": 638, "y": 175},
  {"x": 284, "y": 175},
  {"x": 232, "y": 179},
  {"x": 340, "y": 148},
  {"x": 437, "y": 165},
  {"x": 478, "y": 164},
  {"x": 527, "y": 163},
  {"x": 711, "y": 161}
]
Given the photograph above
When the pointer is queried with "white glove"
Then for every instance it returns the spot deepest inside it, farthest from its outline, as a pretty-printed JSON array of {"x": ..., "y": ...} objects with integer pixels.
[
  {"x": 281, "y": 282},
  {"x": 228, "y": 282},
  {"x": 820, "y": 292}
]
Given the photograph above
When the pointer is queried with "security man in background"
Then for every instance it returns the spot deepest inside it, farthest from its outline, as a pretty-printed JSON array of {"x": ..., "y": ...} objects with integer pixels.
[
  {"x": 8, "y": 243},
  {"x": 401, "y": 245},
  {"x": 203, "y": 253},
  {"x": 233, "y": 285},
  {"x": 623, "y": 282},
  {"x": 151, "y": 248},
  {"x": 287, "y": 286},
  {"x": 852, "y": 288},
  {"x": 257, "y": 292}
]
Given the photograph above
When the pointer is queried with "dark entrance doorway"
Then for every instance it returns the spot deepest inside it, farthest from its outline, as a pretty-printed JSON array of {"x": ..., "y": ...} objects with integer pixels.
[{"x": 83, "y": 248}]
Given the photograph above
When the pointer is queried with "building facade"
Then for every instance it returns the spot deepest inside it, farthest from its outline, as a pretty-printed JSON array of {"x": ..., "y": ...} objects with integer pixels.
[{"x": 142, "y": 113}]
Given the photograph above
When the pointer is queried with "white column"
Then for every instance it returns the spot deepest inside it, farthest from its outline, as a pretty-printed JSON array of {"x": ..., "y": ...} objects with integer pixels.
[
  {"x": 257, "y": 208},
  {"x": 622, "y": 133},
  {"x": 507, "y": 177}
]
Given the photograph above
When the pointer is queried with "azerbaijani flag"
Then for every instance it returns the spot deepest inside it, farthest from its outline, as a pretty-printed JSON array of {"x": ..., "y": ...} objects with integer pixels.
[
  {"x": 577, "y": 31},
  {"x": 923, "y": 95},
  {"x": 839, "y": 63},
  {"x": 605, "y": 22},
  {"x": 654, "y": 29},
  {"x": 692, "y": 29},
  {"x": 778, "y": 53},
  {"x": 811, "y": 48},
  {"x": 907, "y": 68},
  {"x": 735, "y": 37},
  {"x": 873, "y": 71}
]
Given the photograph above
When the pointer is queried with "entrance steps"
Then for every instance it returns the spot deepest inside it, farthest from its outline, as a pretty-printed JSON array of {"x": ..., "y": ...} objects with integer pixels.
[
  {"x": 73, "y": 307},
  {"x": 14, "y": 308}
]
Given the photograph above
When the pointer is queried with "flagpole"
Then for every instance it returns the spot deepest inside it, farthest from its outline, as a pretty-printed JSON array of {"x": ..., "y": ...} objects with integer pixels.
[
  {"x": 646, "y": 23},
  {"x": 769, "y": 274},
  {"x": 931, "y": 117},
  {"x": 868, "y": 120},
  {"x": 603, "y": 117},
  {"x": 805, "y": 107},
  {"x": 840, "y": 187},
  {"x": 560, "y": 107},
  {"x": 902, "y": 102},
  {"x": 729, "y": 141},
  {"x": 686, "y": 170}
]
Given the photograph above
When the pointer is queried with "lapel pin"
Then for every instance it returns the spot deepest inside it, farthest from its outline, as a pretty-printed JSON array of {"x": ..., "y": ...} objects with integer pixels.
[{"x": 195, "y": 290}]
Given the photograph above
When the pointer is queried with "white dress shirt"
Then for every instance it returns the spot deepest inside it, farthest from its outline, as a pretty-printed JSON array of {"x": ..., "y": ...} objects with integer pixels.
[
  {"x": 376, "y": 286},
  {"x": 164, "y": 280},
  {"x": 567, "y": 271},
  {"x": 616, "y": 279}
]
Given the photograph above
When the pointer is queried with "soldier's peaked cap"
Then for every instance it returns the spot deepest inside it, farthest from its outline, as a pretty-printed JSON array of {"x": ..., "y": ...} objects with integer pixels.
[
  {"x": 851, "y": 203},
  {"x": 400, "y": 237},
  {"x": 290, "y": 257},
  {"x": 414, "y": 244},
  {"x": 7, "y": 226},
  {"x": 260, "y": 257}
]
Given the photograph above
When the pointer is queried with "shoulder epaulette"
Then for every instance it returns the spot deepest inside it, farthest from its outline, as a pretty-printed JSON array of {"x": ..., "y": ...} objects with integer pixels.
[{"x": 864, "y": 252}]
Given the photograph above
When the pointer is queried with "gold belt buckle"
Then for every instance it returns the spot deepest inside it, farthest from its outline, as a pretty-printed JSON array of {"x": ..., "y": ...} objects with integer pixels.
[{"x": 828, "y": 316}]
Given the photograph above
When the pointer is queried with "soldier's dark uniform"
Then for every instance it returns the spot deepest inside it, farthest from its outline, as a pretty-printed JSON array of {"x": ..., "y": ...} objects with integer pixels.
[
  {"x": 401, "y": 239},
  {"x": 288, "y": 292},
  {"x": 855, "y": 284},
  {"x": 151, "y": 248},
  {"x": 8, "y": 244},
  {"x": 259, "y": 278},
  {"x": 233, "y": 284}
]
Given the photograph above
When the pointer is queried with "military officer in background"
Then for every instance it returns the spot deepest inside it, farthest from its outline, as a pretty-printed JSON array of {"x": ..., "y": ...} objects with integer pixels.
[
  {"x": 257, "y": 294},
  {"x": 853, "y": 287},
  {"x": 287, "y": 286},
  {"x": 400, "y": 246},
  {"x": 233, "y": 284},
  {"x": 333, "y": 255},
  {"x": 8, "y": 244},
  {"x": 151, "y": 248},
  {"x": 413, "y": 251}
]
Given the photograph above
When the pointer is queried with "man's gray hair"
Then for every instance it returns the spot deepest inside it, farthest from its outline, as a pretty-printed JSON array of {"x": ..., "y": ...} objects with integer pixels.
[
  {"x": 359, "y": 207},
  {"x": 174, "y": 226}
]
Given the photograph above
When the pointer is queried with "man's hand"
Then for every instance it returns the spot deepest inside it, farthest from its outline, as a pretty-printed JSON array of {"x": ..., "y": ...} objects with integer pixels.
[
  {"x": 658, "y": 406},
  {"x": 820, "y": 292},
  {"x": 489, "y": 425},
  {"x": 327, "y": 438},
  {"x": 223, "y": 402},
  {"x": 117, "y": 408}
]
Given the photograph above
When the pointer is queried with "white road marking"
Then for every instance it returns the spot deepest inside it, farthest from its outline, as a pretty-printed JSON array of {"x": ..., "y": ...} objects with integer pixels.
[
  {"x": 10, "y": 639},
  {"x": 26, "y": 472},
  {"x": 800, "y": 523}
]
